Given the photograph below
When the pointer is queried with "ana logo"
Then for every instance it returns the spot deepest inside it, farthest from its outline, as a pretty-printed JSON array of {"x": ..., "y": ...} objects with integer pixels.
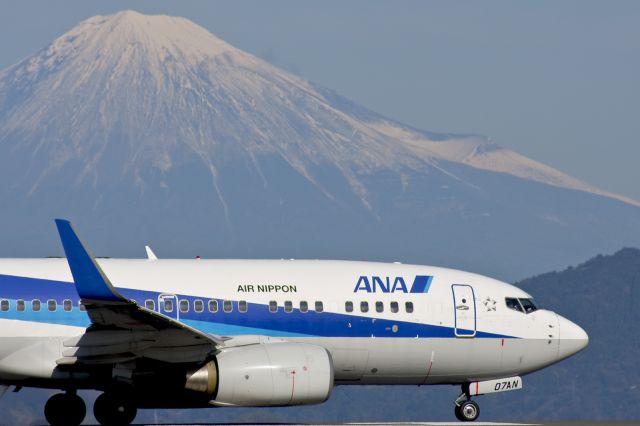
[{"x": 374, "y": 284}]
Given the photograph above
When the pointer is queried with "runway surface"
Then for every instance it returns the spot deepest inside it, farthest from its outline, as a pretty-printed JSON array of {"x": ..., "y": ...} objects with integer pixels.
[{"x": 566, "y": 423}]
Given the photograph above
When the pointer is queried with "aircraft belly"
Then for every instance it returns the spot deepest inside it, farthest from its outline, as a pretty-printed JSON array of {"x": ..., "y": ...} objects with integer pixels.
[
  {"x": 412, "y": 360},
  {"x": 30, "y": 350},
  {"x": 356, "y": 360},
  {"x": 527, "y": 355},
  {"x": 29, "y": 357}
]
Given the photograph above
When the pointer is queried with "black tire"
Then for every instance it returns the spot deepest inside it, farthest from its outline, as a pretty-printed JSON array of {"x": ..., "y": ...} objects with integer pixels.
[
  {"x": 456, "y": 411},
  {"x": 65, "y": 410},
  {"x": 114, "y": 410},
  {"x": 469, "y": 411}
]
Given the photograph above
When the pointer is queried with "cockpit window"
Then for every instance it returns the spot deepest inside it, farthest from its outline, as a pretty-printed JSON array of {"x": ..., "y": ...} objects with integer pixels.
[
  {"x": 512, "y": 303},
  {"x": 528, "y": 305}
]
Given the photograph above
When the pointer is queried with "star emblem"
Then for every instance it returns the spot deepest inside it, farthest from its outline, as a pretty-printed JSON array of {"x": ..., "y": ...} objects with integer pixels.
[{"x": 490, "y": 304}]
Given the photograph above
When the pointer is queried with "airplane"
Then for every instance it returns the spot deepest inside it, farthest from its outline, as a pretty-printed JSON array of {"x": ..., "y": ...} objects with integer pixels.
[{"x": 160, "y": 333}]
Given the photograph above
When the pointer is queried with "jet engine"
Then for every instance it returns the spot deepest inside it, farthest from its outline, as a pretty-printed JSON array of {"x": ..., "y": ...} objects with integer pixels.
[{"x": 274, "y": 374}]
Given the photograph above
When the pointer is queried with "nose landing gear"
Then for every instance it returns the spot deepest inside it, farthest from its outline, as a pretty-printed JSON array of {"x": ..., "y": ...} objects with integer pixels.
[{"x": 465, "y": 409}]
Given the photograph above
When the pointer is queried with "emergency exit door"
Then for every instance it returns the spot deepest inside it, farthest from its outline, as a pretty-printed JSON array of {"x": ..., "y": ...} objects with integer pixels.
[
  {"x": 168, "y": 305},
  {"x": 464, "y": 310}
]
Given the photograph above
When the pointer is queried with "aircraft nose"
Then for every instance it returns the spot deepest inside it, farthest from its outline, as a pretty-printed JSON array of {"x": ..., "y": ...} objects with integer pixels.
[{"x": 573, "y": 338}]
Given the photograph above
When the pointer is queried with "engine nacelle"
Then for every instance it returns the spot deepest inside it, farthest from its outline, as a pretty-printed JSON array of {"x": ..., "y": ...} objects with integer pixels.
[{"x": 272, "y": 374}]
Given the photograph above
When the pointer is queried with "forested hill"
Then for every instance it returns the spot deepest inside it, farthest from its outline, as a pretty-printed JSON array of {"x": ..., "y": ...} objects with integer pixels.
[
  {"x": 603, "y": 296},
  {"x": 609, "y": 270}
]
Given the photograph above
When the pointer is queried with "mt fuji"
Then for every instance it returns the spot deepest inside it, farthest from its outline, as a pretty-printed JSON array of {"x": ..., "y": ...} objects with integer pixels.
[{"x": 151, "y": 130}]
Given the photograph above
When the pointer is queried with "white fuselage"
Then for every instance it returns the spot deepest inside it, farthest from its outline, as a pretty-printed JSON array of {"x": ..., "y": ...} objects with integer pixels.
[{"x": 408, "y": 324}]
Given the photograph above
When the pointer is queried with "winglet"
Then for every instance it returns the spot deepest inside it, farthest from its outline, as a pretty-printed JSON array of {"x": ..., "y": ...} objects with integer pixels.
[
  {"x": 91, "y": 282},
  {"x": 150, "y": 254}
]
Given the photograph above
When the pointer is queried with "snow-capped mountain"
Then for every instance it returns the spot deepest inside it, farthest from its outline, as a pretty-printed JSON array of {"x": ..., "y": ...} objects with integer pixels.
[{"x": 154, "y": 126}]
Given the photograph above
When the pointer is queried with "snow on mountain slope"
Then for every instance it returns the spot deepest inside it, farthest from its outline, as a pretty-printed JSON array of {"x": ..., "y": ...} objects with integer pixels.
[
  {"x": 481, "y": 153},
  {"x": 161, "y": 84},
  {"x": 151, "y": 129}
]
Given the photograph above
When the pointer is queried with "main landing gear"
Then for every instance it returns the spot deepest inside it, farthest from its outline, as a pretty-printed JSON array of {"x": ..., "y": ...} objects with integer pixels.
[
  {"x": 65, "y": 409},
  {"x": 110, "y": 409},
  {"x": 465, "y": 409},
  {"x": 113, "y": 408}
]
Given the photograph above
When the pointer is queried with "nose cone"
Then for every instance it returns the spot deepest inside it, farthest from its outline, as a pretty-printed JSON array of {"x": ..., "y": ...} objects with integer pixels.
[{"x": 573, "y": 338}]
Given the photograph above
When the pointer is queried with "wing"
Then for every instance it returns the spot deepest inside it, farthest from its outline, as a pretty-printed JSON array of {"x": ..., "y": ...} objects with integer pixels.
[{"x": 121, "y": 330}]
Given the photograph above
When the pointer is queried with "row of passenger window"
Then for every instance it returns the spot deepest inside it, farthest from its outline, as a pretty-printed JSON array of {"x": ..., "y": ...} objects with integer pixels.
[
  {"x": 198, "y": 305},
  {"x": 212, "y": 306},
  {"x": 393, "y": 307},
  {"x": 227, "y": 306},
  {"x": 36, "y": 305}
]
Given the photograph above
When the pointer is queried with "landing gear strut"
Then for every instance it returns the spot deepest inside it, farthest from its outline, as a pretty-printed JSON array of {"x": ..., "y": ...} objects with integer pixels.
[
  {"x": 465, "y": 409},
  {"x": 65, "y": 409},
  {"x": 112, "y": 409}
]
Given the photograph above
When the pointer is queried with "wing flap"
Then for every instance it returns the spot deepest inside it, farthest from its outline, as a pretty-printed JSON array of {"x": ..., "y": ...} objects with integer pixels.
[
  {"x": 109, "y": 337},
  {"x": 93, "y": 351},
  {"x": 97, "y": 360}
]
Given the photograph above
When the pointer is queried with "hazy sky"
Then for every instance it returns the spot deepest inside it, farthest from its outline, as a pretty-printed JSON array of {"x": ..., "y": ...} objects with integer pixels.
[{"x": 558, "y": 81}]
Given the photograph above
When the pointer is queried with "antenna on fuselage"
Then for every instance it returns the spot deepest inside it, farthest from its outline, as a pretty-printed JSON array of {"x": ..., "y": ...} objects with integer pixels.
[{"x": 150, "y": 254}]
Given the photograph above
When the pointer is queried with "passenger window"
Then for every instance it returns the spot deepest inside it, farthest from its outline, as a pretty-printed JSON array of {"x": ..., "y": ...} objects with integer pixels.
[
  {"x": 348, "y": 306},
  {"x": 408, "y": 306},
  {"x": 304, "y": 306},
  {"x": 512, "y": 303},
  {"x": 4, "y": 305},
  {"x": 150, "y": 304},
  {"x": 35, "y": 305},
  {"x": 288, "y": 306},
  {"x": 51, "y": 305},
  {"x": 81, "y": 306},
  {"x": 364, "y": 306},
  {"x": 20, "y": 305},
  {"x": 213, "y": 306},
  {"x": 184, "y": 306},
  {"x": 379, "y": 307},
  {"x": 528, "y": 305},
  {"x": 168, "y": 305},
  {"x": 227, "y": 306},
  {"x": 273, "y": 307},
  {"x": 319, "y": 306},
  {"x": 67, "y": 305},
  {"x": 394, "y": 307},
  {"x": 198, "y": 305},
  {"x": 242, "y": 306}
]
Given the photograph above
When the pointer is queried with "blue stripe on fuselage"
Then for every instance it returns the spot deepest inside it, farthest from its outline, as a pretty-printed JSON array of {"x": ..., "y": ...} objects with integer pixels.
[{"x": 258, "y": 319}]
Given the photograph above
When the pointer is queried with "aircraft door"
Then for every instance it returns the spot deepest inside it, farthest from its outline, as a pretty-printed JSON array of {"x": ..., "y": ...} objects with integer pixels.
[
  {"x": 168, "y": 305},
  {"x": 464, "y": 310}
]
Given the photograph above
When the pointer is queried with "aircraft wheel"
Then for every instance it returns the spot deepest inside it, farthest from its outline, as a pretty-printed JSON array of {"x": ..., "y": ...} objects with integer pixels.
[
  {"x": 468, "y": 411},
  {"x": 66, "y": 409},
  {"x": 111, "y": 410},
  {"x": 456, "y": 411}
]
